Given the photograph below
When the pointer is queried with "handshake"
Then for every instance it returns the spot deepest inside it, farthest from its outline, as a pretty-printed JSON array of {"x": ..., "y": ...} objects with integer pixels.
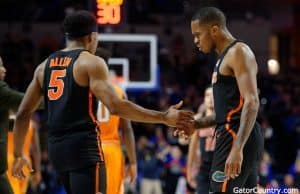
[{"x": 183, "y": 121}]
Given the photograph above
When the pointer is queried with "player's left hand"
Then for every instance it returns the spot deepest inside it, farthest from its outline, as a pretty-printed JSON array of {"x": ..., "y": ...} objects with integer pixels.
[
  {"x": 233, "y": 163},
  {"x": 18, "y": 165}
]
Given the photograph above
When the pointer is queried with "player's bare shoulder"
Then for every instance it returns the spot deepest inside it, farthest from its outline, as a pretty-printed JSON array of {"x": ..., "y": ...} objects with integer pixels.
[
  {"x": 242, "y": 48},
  {"x": 241, "y": 54},
  {"x": 90, "y": 67},
  {"x": 39, "y": 72},
  {"x": 90, "y": 61}
]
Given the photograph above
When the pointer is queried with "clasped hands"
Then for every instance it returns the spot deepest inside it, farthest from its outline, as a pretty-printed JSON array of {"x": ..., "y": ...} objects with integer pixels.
[{"x": 182, "y": 120}]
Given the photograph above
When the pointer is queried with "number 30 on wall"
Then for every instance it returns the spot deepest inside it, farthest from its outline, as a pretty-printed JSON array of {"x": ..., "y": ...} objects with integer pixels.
[{"x": 109, "y": 11}]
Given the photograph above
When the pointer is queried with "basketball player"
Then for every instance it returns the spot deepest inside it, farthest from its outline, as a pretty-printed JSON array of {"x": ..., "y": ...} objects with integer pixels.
[
  {"x": 111, "y": 141},
  {"x": 71, "y": 80},
  {"x": 204, "y": 138},
  {"x": 239, "y": 142},
  {"x": 31, "y": 144},
  {"x": 9, "y": 100},
  {"x": 111, "y": 145}
]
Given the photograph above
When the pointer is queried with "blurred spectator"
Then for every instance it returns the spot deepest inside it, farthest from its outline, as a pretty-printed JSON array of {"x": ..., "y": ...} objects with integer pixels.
[
  {"x": 151, "y": 170},
  {"x": 265, "y": 171},
  {"x": 295, "y": 170},
  {"x": 288, "y": 181},
  {"x": 158, "y": 139},
  {"x": 175, "y": 168},
  {"x": 268, "y": 135},
  {"x": 140, "y": 149}
]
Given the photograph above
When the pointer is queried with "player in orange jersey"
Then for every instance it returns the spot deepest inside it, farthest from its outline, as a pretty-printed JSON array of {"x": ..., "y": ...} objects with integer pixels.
[
  {"x": 111, "y": 142},
  {"x": 111, "y": 145},
  {"x": 31, "y": 146}
]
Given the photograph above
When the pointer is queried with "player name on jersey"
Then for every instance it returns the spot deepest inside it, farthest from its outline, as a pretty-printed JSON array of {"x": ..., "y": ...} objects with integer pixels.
[{"x": 60, "y": 62}]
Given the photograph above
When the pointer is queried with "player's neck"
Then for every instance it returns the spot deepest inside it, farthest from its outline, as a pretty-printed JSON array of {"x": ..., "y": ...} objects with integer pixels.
[
  {"x": 224, "y": 42},
  {"x": 72, "y": 45}
]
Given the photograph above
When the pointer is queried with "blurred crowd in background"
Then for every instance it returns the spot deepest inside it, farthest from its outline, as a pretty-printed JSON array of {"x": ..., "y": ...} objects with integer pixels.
[{"x": 161, "y": 156}]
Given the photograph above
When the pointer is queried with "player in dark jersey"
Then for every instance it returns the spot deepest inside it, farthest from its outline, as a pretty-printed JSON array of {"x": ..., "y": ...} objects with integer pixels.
[
  {"x": 204, "y": 140},
  {"x": 71, "y": 80},
  {"x": 239, "y": 140}
]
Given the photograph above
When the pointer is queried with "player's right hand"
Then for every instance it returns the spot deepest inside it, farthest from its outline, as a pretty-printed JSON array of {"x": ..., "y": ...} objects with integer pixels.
[
  {"x": 18, "y": 167},
  {"x": 180, "y": 119}
]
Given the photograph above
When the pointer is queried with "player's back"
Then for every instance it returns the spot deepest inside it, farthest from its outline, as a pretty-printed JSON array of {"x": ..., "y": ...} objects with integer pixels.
[
  {"x": 70, "y": 110},
  {"x": 69, "y": 106},
  {"x": 109, "y": 124}
]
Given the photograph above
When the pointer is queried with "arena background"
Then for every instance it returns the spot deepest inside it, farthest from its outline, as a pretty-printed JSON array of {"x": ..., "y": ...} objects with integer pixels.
[{"x": 30, "y": 30}]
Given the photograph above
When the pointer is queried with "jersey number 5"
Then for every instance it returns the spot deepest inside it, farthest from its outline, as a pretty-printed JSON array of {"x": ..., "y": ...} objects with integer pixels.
[{"x": 56, "y": 84}]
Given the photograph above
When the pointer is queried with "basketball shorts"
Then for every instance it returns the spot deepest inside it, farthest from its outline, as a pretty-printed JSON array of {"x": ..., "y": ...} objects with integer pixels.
[{"x": 251, "y": 157}]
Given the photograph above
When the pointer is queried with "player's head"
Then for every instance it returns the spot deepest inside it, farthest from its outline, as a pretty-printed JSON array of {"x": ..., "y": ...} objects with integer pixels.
[
  {"x": 208, "y": 98},
  {"x": 82, "y": 26},
  {"x": 2, "y": 70},
  {"x": 207, "y": 25}
]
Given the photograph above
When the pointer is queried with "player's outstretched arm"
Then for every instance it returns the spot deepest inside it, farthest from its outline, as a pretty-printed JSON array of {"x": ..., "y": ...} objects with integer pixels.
[{"x": 103, "y": 90}]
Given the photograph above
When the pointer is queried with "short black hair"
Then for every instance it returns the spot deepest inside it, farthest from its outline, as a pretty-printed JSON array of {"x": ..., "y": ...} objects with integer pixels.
[
  {"x": 210, "y": 15},
  {"x": 103, "y": 53},
  {"x": 79, "y": 23}
]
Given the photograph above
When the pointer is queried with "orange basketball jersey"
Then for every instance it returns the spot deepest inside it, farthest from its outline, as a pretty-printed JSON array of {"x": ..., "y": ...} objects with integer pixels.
[
  {"x": 110, "y": 139},
  {"x": 27, "y": 142},
  {"x": 109, "y": 124}
]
